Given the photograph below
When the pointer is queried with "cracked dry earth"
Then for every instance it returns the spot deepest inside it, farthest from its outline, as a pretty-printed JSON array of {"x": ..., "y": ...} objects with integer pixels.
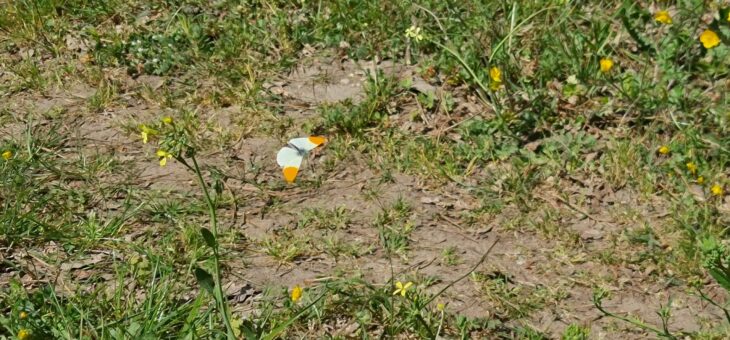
[{"x": 548, "y": 246}]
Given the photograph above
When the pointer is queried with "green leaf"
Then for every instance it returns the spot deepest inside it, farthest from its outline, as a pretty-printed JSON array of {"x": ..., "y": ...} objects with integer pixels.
[
  {"x": 208, "y": 237},
  {"x": 205, "y": 280},
  {"x": 249, "y": 330},
  {"x": 721, "y": 278}
]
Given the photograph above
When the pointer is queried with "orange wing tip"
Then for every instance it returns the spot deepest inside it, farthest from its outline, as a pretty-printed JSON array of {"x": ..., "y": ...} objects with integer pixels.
[
  {"x": 290, "y": 173},
  {"x": 317, "y": 140}
]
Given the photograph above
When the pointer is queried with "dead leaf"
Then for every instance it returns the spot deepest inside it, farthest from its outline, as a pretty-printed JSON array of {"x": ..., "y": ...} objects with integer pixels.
[
  {"x": 430, "y": 200},
  {"x": 240, "y": 292},
  {"x": 93, "y": 259}
]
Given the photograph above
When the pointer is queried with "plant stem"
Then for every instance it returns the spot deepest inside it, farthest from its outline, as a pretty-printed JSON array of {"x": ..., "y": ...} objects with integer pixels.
[
  {"x": 485, "y": 90},
  {"x": 637, "y": 323},
  {"x": 218, "y": 291}
]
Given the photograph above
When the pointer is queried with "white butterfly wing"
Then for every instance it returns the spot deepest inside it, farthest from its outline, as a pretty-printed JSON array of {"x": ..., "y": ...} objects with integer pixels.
[
  {"x": 307, "y": 143},
  {"x": 288, "y": 157}
]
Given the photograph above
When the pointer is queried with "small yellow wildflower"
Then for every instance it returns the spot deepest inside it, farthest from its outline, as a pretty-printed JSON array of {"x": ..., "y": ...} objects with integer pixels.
[
  {"x": 401, "y": 288},
  {"x": 692, "y": 167},
  {"x": 22, "y": 315},
  {"x": 664, "y": 150},
  {"x": 728, "y": 16},
  {"x": 7, "y": 154},
  {"x": 717, "y": 190},
  {"x": 440, "y": 306},
  {"x": 167, "y": 120},
  {"x": 663, "y": 17},
  {"x": 23, "y": 334},
  {"x": 709, "y": 39},
  {"x": 146, "y": 132},
  {"x": 163, "y": 155},
  {"x": 700, "y": 180},
  {"x": 414, "y": 32},
  {"x": 495, "y": 74},
  {"x": 296, "y": 293},
  {"x": 606, "y": 65},
  {"x": 495, "y": 78}
]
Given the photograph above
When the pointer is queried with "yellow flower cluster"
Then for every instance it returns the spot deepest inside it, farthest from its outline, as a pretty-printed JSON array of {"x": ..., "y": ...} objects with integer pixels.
[
  {"x": 708, "y": 37},
  {"x": 7, "y": 155},
  {"x": 716, "y": 189},
  {"x": 147, "y": 132}
]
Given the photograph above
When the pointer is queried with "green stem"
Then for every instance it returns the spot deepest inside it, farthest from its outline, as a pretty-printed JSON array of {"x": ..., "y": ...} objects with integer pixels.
[
  {"x": 218, "y": 291},
  {"x": 441, "y": 323},
  {"x": 711, "y": 301},
  {"x": 637, "y": 323},
  {"x": 473, "y": 75}
]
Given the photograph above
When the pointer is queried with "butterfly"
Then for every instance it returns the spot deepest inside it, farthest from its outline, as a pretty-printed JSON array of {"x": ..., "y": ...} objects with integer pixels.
[{"x": 290, "y": 157}]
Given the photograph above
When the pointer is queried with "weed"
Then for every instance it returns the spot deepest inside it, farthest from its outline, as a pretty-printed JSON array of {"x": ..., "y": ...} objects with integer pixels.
[
  {"x": 337, "y": 218},
  {"x": 394, "y": 226},
  {"x": 450, "y": 257}
]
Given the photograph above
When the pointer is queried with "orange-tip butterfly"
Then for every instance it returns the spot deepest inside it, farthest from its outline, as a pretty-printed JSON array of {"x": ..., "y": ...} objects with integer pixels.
[{"x": 290, "y": 157}]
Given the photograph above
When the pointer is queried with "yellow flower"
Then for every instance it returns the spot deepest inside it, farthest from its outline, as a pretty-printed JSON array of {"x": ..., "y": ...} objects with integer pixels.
[
  {"x": 606, "y": 65},
  {"x": 296, "y": 293},
  {"x": 23, "y": 334},
  {"x": 495, "y": 78},
  {"x": 440, "y": 306},
  {"x": 401, "y": 288},
  {"x": 163, "y": 155},
  {"x": 495, "y": 74},
  {"x": 22, "y": 315},
  {"x": 167, "y": 120},
  {"x": 709, "y": 39},
  {"x": 663, "y": 17},
  {"x": 146, "y": 132},
  {"x": 7, "y": 155},
  {"x": 728, "y": 16},
  {"x": 692, "y": 167},
  {"x": 664, "y": 150},
  {"x": 414, "y": 32},
  {"x": 700, "y": 180},
  {"x": 717, "y": 190}
]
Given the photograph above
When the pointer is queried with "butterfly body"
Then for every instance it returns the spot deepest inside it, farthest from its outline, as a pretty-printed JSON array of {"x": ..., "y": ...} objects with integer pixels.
[{"x": 290, "y": 156}]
